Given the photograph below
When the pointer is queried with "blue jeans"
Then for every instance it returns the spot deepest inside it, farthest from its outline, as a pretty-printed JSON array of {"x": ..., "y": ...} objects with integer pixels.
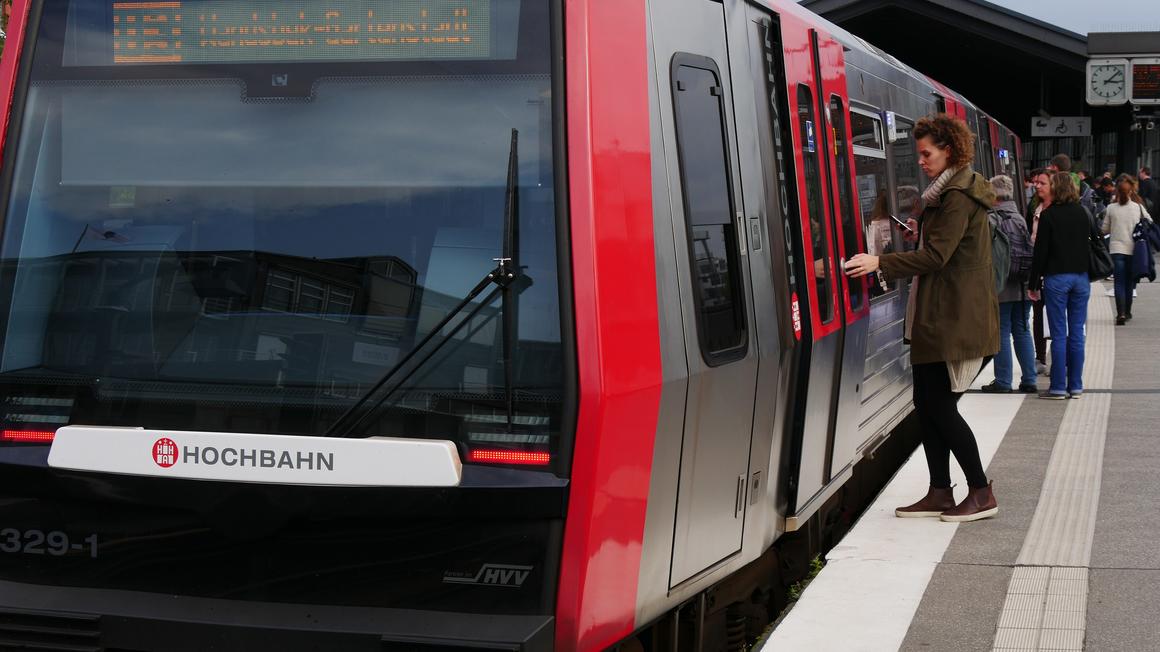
[
  {"x": 1013, "y": 319},
  {"x": 1065, "y": 298},
  {"x": 1125, "y": 284}
]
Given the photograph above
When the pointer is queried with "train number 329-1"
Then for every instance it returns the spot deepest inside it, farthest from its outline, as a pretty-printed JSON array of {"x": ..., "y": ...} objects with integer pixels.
[{"x": 39, "y": 542}]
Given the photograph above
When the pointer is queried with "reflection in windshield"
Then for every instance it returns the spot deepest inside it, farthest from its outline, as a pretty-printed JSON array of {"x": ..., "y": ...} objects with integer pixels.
[{"x": 257, "y": 266}]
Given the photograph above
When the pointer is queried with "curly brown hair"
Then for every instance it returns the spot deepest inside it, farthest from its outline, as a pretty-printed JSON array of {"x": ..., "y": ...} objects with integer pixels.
[{"x": 948, "y": 132}]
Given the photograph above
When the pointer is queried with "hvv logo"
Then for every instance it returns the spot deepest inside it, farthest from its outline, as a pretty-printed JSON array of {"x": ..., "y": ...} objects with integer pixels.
[{"x": 492, "y": 575}]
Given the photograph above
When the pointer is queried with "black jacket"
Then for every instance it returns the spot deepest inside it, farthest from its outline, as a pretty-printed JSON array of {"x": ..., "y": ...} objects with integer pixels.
[
  {"x": 1150, "y": 190},
  {"x": 1061, "y": 244}
]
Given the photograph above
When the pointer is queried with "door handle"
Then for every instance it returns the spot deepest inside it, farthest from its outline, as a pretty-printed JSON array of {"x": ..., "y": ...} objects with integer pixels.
[{"x": 741, "y": 233}]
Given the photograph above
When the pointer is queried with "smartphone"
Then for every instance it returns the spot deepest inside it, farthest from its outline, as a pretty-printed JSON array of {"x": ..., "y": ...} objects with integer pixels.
[{"x": 901, "y": 223}]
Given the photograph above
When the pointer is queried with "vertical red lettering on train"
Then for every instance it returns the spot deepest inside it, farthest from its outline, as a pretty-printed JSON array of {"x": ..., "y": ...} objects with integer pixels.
[{"x": 165, "y": 452}]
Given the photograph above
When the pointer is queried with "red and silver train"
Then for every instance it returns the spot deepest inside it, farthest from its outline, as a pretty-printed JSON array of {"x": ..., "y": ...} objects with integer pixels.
[{"x": 437, "y": 324}]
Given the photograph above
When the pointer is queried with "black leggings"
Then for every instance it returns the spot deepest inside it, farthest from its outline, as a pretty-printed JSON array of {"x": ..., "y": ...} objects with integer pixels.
[{"x": 944, "y": 431}]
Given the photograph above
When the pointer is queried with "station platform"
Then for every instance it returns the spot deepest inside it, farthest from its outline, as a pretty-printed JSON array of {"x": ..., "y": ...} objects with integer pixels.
[{"x": 1071, "y": 561}]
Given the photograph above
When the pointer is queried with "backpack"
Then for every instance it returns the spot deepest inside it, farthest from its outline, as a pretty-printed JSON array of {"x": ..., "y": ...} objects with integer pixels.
[
  {"x": 1087, "y": 197},
  {"x": 1000, "y": 251},
  {"x": 1020, "y": 249}
]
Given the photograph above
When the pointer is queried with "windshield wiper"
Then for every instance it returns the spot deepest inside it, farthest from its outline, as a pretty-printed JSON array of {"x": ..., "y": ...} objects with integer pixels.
[{"x": 507, "y": 279}]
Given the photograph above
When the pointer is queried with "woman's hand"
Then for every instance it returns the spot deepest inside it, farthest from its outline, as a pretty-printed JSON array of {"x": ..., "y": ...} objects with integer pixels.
[
  {"x": 911, "y": 234},
  {"x": 1033, "y": 295},
  {"x": 861, "y": 265}
]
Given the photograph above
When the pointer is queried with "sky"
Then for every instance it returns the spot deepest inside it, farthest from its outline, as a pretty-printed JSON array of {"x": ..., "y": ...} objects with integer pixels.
[{"x": 1084, "y": 16}]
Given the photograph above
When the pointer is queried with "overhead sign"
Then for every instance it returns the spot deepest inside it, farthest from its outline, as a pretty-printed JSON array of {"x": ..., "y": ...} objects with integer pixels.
[
  {"x": 1146, "y": 81},
  {"x": 1061, "y": 127},
  {"x": 274, "y": 459}
]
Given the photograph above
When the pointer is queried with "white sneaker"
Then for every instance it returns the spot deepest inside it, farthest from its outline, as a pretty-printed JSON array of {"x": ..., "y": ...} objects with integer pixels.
[{"x": 1040, "y": 368}]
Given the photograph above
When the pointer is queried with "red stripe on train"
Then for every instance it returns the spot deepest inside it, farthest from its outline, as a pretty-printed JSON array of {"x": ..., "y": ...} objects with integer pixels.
[{"x": 617, "y": 329}]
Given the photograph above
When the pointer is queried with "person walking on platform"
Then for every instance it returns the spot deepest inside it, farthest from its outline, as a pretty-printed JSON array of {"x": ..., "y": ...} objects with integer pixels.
[
  {"x": 1149, "y": 190},
  {"x": 1060, "y": 268},
  {"x": 1041, "y": 181},
  {"x": 952, "y": 314},
  {"x": 1122, "y": 217},
  {"x": 1014, "y": 307}
]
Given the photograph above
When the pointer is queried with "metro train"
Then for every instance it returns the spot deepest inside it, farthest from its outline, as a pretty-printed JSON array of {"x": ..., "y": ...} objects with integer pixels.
[{"x": 439, "y": 324}]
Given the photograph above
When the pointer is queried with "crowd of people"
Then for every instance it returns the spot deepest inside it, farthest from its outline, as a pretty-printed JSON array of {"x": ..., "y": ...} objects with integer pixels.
[
  {"x": 1117, "y": 209},
  {"x": 963, "y": 311}
]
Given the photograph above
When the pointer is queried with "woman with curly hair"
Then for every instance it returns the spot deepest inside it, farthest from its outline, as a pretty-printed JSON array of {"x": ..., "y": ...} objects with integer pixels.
[{"x": 952, "y": 316}]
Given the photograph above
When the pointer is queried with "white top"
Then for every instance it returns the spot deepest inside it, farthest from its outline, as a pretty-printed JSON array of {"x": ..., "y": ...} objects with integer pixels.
[{"x": 1119, "y": 222}]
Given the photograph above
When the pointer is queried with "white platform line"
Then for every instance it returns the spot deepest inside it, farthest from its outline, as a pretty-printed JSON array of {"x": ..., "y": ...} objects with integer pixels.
[{"x": 866, "y": 596}]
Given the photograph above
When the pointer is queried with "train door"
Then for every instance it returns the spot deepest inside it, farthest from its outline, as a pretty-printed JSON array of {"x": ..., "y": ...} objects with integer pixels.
[
  {"x": 854, "y": 292},
  {"x": 764, "y": 163},
  {"x": 827, "y": 300},
  {"x": 713, "y": 270}
]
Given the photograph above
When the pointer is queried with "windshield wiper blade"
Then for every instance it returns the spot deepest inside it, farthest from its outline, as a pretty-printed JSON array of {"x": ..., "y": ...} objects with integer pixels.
[
  {"x": 507, "y": 278},
  {"x": 510, "y": 267}
]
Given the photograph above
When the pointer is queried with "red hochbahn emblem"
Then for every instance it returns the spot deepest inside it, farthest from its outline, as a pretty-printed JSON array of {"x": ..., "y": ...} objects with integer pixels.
[{"x": 165, "y": 452}]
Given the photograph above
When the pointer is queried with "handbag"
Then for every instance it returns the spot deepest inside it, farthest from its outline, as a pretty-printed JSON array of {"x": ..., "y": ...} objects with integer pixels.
[{"x": 1099, "y": 260}]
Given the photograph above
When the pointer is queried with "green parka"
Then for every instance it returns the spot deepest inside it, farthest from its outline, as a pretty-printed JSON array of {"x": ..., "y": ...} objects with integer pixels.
[{"x": 956, "y": 314}]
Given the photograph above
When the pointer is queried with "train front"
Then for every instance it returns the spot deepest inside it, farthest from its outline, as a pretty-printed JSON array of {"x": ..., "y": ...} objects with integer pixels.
[{"x": 283, "y": 358}]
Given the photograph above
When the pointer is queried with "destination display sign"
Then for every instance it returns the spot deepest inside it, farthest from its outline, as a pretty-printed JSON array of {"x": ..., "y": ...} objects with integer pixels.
[
  {"x": 255, "y": 31},
  {"x": 1146, "y": 81}
]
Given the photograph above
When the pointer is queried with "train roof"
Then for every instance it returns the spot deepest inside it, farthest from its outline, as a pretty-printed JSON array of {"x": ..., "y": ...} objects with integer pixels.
[{"x": 853, "y": 42}]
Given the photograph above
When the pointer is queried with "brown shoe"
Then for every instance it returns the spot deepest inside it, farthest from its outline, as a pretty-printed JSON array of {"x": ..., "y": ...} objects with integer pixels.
[
  {"x": 979, "y": 504},
  {"x": 934, "y": 503}
]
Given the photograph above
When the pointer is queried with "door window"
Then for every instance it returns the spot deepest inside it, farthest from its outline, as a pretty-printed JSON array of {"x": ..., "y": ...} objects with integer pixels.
[
  {"x": 873, "y": 188},
  {"x": 849, "y": 221},
  {"x": 820, "y": 245},
  {"x": 712, "y": 233}
]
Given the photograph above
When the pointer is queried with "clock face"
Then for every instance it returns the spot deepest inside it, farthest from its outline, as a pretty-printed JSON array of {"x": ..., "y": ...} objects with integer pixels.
[{"x": 1108, "y": 81}]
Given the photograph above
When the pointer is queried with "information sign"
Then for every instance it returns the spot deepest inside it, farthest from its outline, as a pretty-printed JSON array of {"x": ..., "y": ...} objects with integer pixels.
[
  {"x": 253, "y": 31},
  {"x": 1146, "y": 81}
]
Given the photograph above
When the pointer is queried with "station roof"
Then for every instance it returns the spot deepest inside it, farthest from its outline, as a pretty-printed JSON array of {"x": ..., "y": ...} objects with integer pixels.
[{"x": 1009, "y": 64}]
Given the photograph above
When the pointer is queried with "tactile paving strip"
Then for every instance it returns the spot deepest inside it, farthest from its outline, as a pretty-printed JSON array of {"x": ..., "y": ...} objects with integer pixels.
[{"x": 1046, "y": 605}]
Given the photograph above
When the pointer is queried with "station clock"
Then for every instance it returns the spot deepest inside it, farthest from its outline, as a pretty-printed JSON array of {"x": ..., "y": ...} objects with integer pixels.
[{"x": 1107, "y": 82}]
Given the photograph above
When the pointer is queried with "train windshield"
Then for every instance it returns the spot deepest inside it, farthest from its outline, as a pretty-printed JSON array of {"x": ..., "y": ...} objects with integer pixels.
[{"x": 242, "y": 216}]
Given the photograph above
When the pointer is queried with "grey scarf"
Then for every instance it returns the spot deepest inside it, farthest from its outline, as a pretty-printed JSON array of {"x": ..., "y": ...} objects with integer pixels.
[{"x": 932, "y": 192}]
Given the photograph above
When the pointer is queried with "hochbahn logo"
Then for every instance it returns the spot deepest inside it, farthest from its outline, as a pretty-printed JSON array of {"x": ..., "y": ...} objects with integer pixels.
[{"x": 165, "y": 454}]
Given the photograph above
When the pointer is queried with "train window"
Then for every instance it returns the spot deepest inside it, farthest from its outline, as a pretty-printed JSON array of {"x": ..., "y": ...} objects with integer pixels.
[
  {"x": 849, "y": 221},
  {"x": 873, "y": 186},
  {"x": 907, "y": 176},
  {"x": 986, "y": 154},
  {"x": 865, "y": 131},
  {"x": 705, "y": 177},
  {"x": 173, "y": 239},
  {"x": 820, "y": 238}
]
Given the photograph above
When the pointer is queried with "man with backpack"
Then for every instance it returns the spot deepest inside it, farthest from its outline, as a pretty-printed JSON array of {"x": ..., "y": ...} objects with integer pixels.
[{"x": 1014, "y": 307}]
